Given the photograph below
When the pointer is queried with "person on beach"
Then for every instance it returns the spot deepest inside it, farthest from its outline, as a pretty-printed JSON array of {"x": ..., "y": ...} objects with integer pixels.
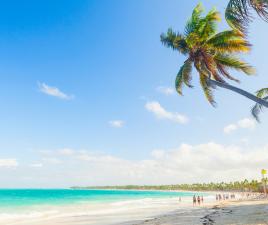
[
  {"x": 202, "y": 199},
  {"x": 179, "y": 199},
  {"x": 194, "y": 200},
  {"x": 198, "y": 200}
]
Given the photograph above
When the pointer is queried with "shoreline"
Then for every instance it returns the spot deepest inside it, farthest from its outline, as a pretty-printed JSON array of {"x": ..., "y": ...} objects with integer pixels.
[
  {"x": 242, "y": 211},
  {"x": 160, "y": 211}
]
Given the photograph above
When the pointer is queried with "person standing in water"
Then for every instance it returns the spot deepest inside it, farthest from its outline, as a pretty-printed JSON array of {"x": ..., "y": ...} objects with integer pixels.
[
  {"x": 194, "y": 200},
  {"x": 198, "y": 200}
]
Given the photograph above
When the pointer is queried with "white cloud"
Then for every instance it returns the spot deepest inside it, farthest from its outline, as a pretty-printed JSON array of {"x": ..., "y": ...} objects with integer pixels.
[
  {"x": 54, "y": 91},
  {"x": 185, "y": 164},
  {"x": 230, "y": 128},
  {"x": 246, "y": 123},
  {"x": 51, "y": 160},
  {"x": 117, "y": 123},
  {"x": 165, "y": 90},
  {"x": 36, "y": 165},
  {"x": 8, "y": 163},
  {"x": 66, "y": 151},
  {"x": 244, "y": 140},
  {"x": 162, "y": 113}
]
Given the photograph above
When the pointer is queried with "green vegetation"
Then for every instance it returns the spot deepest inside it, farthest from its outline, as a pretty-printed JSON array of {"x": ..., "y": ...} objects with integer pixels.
[
  {"x": 238, "y": 13},
  {"x": 245, "y": 185},
  {"x": 238, "y": 16},
  {"x": 263, "y": 93},
  {"x": 212, "y": 54}
]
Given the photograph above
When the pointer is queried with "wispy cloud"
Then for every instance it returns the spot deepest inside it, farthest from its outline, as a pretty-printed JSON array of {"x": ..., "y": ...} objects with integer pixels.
[
  {"x": 184, "y": 164},
  {"x": 162, "y": 113},
  {"x": 246, "y": 123},
  {"x": 8, "y": 163},
  {"x": 54, "y": 91},
  {"x": 66, "y": 151},
  {"x": 230, "y": 128},
  {"x": 36, "y": 165},
  {"x": 165, "y": 90},
  {"x": 117, "y": 123}
]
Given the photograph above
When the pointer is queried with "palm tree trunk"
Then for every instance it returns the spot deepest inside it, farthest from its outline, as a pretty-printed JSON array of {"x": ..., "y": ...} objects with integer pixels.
[{"x": 239, "y": 91}]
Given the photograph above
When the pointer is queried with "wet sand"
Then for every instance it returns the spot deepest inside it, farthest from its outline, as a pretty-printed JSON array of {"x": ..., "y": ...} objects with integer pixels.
[{"x": 240, "y": 212}]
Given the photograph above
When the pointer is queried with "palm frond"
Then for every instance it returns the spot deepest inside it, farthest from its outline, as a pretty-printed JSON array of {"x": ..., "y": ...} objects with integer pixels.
[
  {"x": 261, "y": 8},
  {"x": 262, "y": 92},
  {"x": 238, "y": 14},
  {"x": 184, "y": 76},
  {"x": 225, "y": 36},
  {"x": 217, "y": 77},
  {"x": 187, "y": 73},
  {"x": 223, "y": 71},
  {"x": 207, "y": 89},
  {"x": 233, "y": 62},
  {"x": 193, "y": 23},
  {"x": 232, "y": 46},
  {"x": 208, "y": 26},
  {"x": 173, "y": 40},
  {"x": 229, "y": 41},
  {"x": 256, "y": 110}
]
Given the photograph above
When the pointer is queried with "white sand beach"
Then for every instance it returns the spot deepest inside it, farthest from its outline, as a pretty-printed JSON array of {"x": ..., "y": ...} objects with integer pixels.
[
  {"x": 242, "y": 212},
  {"x": 151, "y": 212},
  {"x": 97, "y": 213}
]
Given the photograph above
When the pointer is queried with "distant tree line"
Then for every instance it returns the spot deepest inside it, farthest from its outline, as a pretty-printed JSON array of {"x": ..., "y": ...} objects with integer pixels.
[{"x": 245, "y": 185}]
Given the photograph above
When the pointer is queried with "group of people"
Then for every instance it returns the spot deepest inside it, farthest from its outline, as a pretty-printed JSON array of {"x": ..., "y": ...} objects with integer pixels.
[
  {"x": 197, "y": 200},
  {"x": 220, "y": 197}
]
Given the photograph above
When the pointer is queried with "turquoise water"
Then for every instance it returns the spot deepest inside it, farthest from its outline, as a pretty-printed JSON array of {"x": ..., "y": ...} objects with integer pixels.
[{"x": 31, "y": 197}]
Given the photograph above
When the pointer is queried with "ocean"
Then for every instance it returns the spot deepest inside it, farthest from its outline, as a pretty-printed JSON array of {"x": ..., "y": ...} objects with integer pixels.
[
  {"x": 31, "y": 204},
  {"x": 15, "y": 198}
]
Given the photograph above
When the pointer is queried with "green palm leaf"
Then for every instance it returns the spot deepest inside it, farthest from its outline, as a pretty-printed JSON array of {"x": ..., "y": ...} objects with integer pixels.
[
  {"x": 238, "y": 13},
  {"x": 262, "y": 92},
  {"x": 176, "y": 41},
  {"x": 184, "y": 76},
  {"x": 233, "y": 62},
  {"x": 194, "y": 22},
  {"x": 257, "y": 108},
  {"x": 207, "y": 89},
  {"x": 208, "y": 25}
]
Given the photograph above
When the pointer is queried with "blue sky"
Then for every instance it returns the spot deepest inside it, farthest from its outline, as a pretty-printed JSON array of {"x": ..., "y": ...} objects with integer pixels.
[{"x": 92, "y": 76}]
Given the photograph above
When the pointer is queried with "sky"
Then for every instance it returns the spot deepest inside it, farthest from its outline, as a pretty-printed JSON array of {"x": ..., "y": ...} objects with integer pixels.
[{"x": 87, "y": 98}]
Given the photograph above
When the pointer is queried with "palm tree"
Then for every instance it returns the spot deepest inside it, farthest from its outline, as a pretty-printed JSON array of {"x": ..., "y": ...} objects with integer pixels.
[
  {"x": 211, "y": 53},
  {"x": 263, "y": 93},
  {"x": 238, "y": 16},
  {"x": 238, "y": 13}
]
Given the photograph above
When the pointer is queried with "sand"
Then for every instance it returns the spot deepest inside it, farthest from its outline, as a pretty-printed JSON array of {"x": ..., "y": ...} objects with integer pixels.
[
  {"x": 241, "y": 212},
  {"x": 159, "y": 212}
]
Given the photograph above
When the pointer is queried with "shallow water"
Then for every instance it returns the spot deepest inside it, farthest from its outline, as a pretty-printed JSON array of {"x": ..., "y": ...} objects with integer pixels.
[{"x": 37, "y": 205}]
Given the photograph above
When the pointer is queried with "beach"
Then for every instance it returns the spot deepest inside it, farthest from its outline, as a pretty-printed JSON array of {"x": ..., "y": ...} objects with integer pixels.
[
  {"x": 121, "y": 212},
  {"x": 78, "y": 207},
  {"x": 160, "y": 210},
  {"x": 243, "y": 212}
]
